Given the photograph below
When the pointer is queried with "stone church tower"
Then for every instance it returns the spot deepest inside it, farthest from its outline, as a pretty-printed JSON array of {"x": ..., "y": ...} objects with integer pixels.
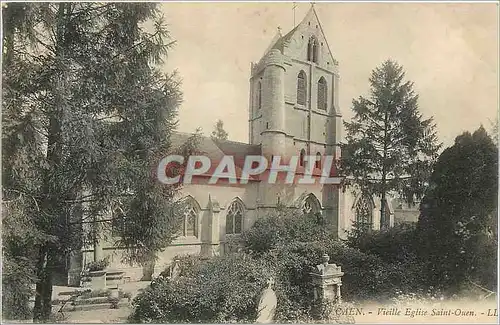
[{"x": 294, "y": 107}]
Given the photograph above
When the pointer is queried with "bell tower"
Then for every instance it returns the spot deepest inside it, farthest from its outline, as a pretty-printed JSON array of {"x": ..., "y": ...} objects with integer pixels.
[
  {"x": 294, "y": 107},
  {"x": 294, "y": 102}
]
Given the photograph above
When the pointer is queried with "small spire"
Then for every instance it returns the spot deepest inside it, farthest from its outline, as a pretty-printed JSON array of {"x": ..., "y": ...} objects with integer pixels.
[
  {"x": 279, "y": 30},
  {"x": 293, "y": 8}
]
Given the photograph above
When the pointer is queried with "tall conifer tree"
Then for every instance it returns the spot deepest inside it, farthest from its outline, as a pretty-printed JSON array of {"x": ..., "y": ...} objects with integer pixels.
[
  {"x": 87, "y": 116},
  {"x": 389, "y": 146}
]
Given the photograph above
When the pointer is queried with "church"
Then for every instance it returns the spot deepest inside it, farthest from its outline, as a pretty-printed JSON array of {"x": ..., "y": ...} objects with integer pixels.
[{"x": 293, "y": 111}]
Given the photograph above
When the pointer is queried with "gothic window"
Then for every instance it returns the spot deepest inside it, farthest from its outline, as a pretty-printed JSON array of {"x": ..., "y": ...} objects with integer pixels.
[
  {"x": 259, "y": 95},
  {"x": 318, "y": 160},
  {"x": 234, "y": 218},
  {"x": 302, "y": 158},
  {"x": 301, "y": 88},
  {"x": 190, "y": 212},
  {"x": 364, "y": 211},
  {"x": 311, "y": 205},
  {"x": 322, "y": 94},
  {"x": 312, "y": 50},
  {"x": 315, "y": 51}
]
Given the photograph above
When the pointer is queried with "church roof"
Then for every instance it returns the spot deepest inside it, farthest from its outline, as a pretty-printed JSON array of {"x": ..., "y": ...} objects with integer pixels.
[
  {"x": 280, "y": 43},
  {"x": 215, "y": 150}
]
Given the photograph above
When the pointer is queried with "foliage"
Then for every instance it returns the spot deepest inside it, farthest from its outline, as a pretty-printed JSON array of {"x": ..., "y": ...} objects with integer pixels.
[
  {"x": 219, "y": 133},
  {"x": 19, "y": 240},
  {"x": 97, "y": 265},
  {"x": 87, "y": 114},
  {"x": 282, "y": 227},
  {"x": 224, "y": 289},
  {"x": 17, "y": 277},
  {"x": 458, "y": 220},
  {"x": 389, "y": 146},
  {"x": 295, "y": 253},
  {"x": 395, "y": 244}
]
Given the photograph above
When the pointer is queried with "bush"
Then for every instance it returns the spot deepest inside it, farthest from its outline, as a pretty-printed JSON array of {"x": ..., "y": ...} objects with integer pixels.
[
  {"x": 398, "y": 248},
  {"x": 189, "y": 265},
  {"x": 97, "y": 265},
  {"x": 281, "y": 228},
  {"x": 378, "y": 265},
  {"x": 222, "y": 289},
  {"x": 17, "y": 278},
  {"x": 365, "y": 276},
  {"x": 396, "y": 244}
]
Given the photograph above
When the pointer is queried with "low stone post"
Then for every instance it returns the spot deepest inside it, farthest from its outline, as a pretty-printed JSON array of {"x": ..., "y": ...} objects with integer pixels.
[
  {"x": 327, "y": 280},
  {"x": 98, "y": 280}
]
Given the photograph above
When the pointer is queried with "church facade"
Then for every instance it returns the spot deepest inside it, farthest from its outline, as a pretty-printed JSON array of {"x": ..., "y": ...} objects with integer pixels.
[{"x": 293, "y": 111}]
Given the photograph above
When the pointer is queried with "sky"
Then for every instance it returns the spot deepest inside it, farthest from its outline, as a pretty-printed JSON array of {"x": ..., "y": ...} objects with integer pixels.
[{"x": 449, "y": 51}]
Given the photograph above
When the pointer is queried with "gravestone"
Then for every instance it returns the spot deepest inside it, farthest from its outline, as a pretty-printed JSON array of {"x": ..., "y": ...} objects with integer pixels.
[
  {"x": 327, "y": 280},
  {"x": 267, "y": 304}
]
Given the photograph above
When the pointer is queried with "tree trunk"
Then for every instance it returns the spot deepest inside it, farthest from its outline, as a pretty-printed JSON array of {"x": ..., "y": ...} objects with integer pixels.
[
  {"x": 48, "y": 253},
  {"x": 383, "y": 221},
  {"x": 43, "y": 296},
  {"x": 384, "y": 170}
]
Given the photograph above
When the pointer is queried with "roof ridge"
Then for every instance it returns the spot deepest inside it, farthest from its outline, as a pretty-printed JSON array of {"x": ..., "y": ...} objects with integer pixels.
[{"x": 233, "y": 141}]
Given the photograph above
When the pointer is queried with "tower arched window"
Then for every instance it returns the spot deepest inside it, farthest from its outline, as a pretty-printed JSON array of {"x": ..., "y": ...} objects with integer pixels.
[
  {"x": 318, "y": 160},
  {"x": 313, "y": 50},
  {"x": 234, "y": 217},
  {"x": 259, "y": 95},
  {"x": 301, "y": 88},
  {"x": 302, "y": 158},
  {"x": 364, "y": 211},
  {"x": 322, "y": 94}
]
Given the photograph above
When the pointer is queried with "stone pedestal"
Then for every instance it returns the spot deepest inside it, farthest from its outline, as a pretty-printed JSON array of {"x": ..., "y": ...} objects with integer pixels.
[
  {"x": 327, "y": 280},
  {"x": 114, "y": 278},
  {"x": 97, "y": 280}
]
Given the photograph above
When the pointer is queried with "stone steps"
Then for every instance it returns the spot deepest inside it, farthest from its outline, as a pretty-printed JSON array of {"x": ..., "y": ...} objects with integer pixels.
[{"x": 95, "y": 306}]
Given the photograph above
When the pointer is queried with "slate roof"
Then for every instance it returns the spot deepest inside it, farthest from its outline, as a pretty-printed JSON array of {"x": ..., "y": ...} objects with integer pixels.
[
  {"x": 280, "y": 43},
  {"x": 216, "y": 150}
]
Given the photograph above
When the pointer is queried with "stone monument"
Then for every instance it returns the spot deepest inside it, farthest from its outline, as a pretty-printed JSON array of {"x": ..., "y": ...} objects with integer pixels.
[
  {"x": 175, "y": 270},
  {"x": 327, "y": 280},
  {"x": 267, "y": 304}
]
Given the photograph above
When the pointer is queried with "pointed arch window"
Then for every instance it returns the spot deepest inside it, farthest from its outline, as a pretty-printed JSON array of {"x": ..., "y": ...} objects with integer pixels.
[
  {"x": 234, "y": 218},
  {"x": 302, "y": 158},
  {"x": 311, "y": 205},
  {"x": 318, "y": 160},
  {"x": 364, "y": 211},
  {"x": 301, "y": 88},
  {"x": 322, "y": 94},
  {"x": 312, "y": 49},
  {"x": 190, "y": 213},
  {"x": 259, "y": 95}
]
